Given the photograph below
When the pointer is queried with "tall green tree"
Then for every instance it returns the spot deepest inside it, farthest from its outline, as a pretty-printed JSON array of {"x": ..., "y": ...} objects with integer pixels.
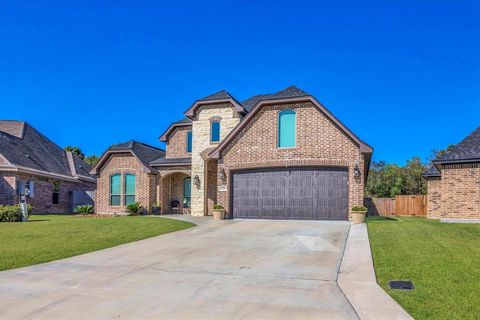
[
  {"x": 412, "y": 173},
  {"x": 91, "y": 160},
  {"x": 387, "y": 180},
  {"x": 76, "y": 151}
]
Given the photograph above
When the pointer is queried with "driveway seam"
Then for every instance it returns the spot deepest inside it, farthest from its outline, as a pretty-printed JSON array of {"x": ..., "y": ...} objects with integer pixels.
[
  {"x": 338, "y": 272},
  {"x": 357, "y": 280}
]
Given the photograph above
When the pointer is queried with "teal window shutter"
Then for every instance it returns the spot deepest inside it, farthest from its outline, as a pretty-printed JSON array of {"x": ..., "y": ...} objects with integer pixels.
[
  {"x": 215, "y": 131},
  {"x": 189, "y": 141},
  {"x": 115, "y": 190},
  {"x": 129, "y": 189},
  {"x": 287, "y": 123}
]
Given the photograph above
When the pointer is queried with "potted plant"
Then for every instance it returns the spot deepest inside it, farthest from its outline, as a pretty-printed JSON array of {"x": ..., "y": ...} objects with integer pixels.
[
  {"x": 358, "y": 214},
  {"x": 156, "y": 208},
  {"x": 218, "y": 212}
]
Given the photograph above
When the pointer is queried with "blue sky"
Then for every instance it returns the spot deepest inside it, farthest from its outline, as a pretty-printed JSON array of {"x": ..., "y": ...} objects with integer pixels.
[{"x": 403, "y": 75}]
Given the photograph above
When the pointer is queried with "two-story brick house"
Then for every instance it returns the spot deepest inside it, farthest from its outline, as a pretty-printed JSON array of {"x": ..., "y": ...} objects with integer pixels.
[{"x": 280, "y": 156}]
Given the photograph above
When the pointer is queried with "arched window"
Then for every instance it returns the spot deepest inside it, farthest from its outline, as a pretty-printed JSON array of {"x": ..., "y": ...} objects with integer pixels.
[
  {"x": 129, "y": 188},
  {"x": 189, "y": 141},
  {"x": 287, "y": 124},
  {"x": 187, "y": 192},
  {"x": 215, "y": 131},
  {"x": 115, "y": 192}
]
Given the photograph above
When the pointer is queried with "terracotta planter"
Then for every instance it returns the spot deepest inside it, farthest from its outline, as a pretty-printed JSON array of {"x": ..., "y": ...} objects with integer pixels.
[
  {"x": 358, "y": 216},
  {"x": 218, "y": 214}
]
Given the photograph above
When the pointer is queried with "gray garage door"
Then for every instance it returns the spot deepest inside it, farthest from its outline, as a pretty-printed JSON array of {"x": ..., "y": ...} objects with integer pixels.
[{"x": 308, "y": 194}]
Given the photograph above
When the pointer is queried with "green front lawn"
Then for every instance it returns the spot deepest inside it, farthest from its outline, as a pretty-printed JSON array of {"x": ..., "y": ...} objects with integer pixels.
[
  {"x": 442, "y": 260},
  {"x": 52, "y": 237}
]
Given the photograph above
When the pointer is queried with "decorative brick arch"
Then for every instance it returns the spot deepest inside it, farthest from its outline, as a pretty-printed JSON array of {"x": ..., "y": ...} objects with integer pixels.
[{"x": 215, "y": 119}]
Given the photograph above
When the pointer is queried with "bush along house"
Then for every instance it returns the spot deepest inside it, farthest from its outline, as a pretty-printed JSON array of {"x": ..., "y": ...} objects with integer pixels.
[
  {"x": 272, "y": 156},
  {"x": 35, "y": 170}
]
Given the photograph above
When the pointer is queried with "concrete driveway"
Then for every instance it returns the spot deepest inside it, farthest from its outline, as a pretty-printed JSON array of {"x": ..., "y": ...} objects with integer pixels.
[{"x": 238, "y": 269}]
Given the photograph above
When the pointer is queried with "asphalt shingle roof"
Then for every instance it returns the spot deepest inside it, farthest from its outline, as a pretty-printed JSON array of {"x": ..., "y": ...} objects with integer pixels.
[
  {"x": 22, "y": 145},
  {"x": 222, "y": 94},
  {"x": 145, "y": 153},
  {"x": 164, "y": 160},
  {"x": 182, "y": 121},
  {"x": 431, "y": 171},
  {"x": 467, "y": 149},
  {"x": 248, "y": 104},
  {"x": 290, "y": 92},
  {"x": 252, "y": 101}
]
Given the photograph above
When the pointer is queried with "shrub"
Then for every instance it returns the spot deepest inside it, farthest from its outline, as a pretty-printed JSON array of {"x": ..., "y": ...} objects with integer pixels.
[
  {"x": 217, "y": 206},
  {"x": 135, "y": 209},
  {"x": 10, "y": 213},
  {"x": 359, "y": 208},
  {"x": 84, "y": 209}
]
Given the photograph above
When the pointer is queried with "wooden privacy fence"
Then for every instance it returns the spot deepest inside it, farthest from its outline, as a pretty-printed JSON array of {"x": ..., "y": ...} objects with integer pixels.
[{"x": 401, "y": 205}]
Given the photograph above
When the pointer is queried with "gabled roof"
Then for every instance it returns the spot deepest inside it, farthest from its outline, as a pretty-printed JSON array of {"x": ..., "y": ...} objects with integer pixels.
[
  {"x": 250, "y": 102},
  {"x": 431, "y": 172},
  {"x": 467, "y": 150},
  {"x": 26, "y": 148},
  {"x": 143, "y": 152},
  {"x": 185, "y": 122},
  {"x": 291, "y": 94},
  {"x": 221, "y": 96}
]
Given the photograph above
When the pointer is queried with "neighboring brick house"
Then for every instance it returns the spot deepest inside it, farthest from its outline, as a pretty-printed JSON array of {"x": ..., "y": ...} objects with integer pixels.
[
  {"x": 453, "y": 181},
  {"x": 33, "y": 169},
  {"x": 279, "y": 156}
]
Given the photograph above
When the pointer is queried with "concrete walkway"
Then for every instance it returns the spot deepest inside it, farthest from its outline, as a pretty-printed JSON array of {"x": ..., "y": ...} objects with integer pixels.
[
  {"x": 358, "y": 281},
  {"x": 218, "y": 270}
]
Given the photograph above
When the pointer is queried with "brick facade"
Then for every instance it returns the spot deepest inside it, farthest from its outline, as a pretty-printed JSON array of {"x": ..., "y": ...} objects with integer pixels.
[
  {"x": 461, "y": 191},
  {"x": 319, "y": 143},
  {"x": 434, "y": 198},
  {"x": 173, "y": 189},
  {"x": 42, "y": 200},
  {"x": 122, "y": 163},
  {"x": 211, "y": 179},
  {"x": 456, "y": 194},
  {"x": 7, "y": 188},
  {"x": 176, "y": 146}
]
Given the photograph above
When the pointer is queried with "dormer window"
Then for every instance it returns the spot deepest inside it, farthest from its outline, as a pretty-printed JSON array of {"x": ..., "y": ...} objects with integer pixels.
[
  {"x": 215, "y": 131},
  {"x": 189, "y": 141}
]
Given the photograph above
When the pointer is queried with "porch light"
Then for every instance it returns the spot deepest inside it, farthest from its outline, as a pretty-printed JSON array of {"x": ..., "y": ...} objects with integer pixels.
[
  {"x": 196, "y": 181},
  {"x": 356, "y": 171},
  {"x": 222, "y": 175}
]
